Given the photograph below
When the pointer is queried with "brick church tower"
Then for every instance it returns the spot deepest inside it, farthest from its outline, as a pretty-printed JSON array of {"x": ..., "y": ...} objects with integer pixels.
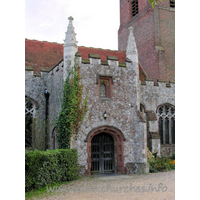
[{"x": 154, "y": 31}]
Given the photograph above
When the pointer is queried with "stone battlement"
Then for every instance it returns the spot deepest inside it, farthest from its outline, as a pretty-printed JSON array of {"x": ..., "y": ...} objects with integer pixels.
[
  {"x": 160, "y": 82},
  {"x": 95, "y": 59},
  {"x": 39, "y": 70}
]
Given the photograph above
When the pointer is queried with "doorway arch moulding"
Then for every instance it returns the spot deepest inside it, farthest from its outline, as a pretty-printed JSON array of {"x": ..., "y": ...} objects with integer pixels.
[{"x": 119, "y": 139}]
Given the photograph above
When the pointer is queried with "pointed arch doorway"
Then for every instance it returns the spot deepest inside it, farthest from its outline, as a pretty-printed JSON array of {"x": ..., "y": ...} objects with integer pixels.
[{"x": 105, "y": 150}]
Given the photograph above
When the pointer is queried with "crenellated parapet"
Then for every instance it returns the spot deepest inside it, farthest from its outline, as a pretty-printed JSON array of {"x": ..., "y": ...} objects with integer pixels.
[
  {"x": 39, "y": 71},
  {"x": 159, "y": 83},
  {"x": 95, "y": 59},
  {"x": 56, "y": 68}
]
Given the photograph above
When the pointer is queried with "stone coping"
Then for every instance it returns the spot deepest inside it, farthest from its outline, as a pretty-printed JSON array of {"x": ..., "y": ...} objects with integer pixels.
[
  {"x": 78, "y": 54},
  {"x": 85, "y": 61},
  {"x": 28, "y": 68},
  {"x": 37, "y": 74},
  {"x": 112, "y": 58},
  {"x": 45, "y": 69},
  {"x": 122, "y": 64},
  {"x": 167, "y": 84},
  {"x": 148, "y": 79},
  {"x": 104, "y": 62},
  {"x": 128, "y": 60},
  {"x": 161, "y": 80},
  {"x": 95, "y": 56}
]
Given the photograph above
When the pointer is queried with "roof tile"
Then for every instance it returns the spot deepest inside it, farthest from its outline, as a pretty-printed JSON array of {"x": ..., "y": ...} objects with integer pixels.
[{"x": 42, "y": 54}]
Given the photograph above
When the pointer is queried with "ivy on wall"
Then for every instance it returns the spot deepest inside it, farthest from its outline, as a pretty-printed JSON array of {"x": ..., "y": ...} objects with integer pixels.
[{"x": 73, "y": 108}]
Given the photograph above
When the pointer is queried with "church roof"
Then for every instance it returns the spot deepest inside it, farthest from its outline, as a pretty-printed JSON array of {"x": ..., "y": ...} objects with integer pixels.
[
  {"x": 47, "y": 54},
  {"x": 103, "y": 53},
  {"x": 43, "y": 54}
]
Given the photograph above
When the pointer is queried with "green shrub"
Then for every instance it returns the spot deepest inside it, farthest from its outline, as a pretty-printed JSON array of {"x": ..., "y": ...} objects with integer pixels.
[
  {"x": 173, "y": 156},
  {"x": 50, "y": 167},
  {"x": 162, "y": 163},
  {"x": 152, "y": 169}
]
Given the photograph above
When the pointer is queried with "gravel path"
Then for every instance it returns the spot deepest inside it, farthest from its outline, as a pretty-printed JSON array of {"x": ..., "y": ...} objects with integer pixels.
[{"x": 155, "y": 186}]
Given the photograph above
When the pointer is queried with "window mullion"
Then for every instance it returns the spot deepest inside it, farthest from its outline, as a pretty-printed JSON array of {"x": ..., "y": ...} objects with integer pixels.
[
  {"x": 163, "y": 130},
  {"x": 170, "y": 133}
]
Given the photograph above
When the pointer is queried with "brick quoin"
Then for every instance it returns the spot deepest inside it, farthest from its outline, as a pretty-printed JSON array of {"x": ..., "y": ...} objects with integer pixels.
[{"x": 149, "y": 32}]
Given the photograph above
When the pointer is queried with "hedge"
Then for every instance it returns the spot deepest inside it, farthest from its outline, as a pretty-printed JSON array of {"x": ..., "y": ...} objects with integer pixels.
[{"x": 48, "y": 167}]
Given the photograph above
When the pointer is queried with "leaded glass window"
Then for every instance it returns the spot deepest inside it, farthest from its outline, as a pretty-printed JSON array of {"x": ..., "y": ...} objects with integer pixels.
[
  {"x": 105, "y": 87},
  {"x": 166, "y": 124},
  {"x": 173, "y": 130},
  {"x": 161, "y": 130},
  {"x": 166, "y": 131},
  {"x": 29, "y": 114},
  {"x": 102, "y": 90}
]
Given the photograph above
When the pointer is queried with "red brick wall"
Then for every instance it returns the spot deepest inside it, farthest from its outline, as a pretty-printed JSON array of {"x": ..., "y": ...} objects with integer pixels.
[
  {"x": 167, "y": 30},
  {"x": 144, "y": 32},
  {"x": 126, "y": 12},
  {"x": 143, "y": 4},
  {"x": 165, "y": 3},
  {"x": 144, "y": 36}
]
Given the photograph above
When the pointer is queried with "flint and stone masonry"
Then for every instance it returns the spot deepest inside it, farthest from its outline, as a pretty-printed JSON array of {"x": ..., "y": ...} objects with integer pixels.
[{"x": 131, "y": 105}]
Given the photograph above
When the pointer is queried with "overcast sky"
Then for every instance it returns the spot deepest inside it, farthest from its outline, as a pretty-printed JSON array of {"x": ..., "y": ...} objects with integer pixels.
[{"x": 96, "y": 22}]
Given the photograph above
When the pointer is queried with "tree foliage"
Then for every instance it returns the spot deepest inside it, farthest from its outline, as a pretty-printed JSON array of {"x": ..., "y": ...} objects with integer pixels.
[
  {"x": 73, "y": 108},
  {"x": 153, "y": 2}
]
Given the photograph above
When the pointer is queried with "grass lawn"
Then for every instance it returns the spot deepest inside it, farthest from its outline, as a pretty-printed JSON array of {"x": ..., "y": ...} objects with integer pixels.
[{"x": 43, "y": 192}]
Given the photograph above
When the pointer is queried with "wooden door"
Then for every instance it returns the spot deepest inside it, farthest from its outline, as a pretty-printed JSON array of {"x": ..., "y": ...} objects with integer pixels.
[{"x": 102, "y": 154}]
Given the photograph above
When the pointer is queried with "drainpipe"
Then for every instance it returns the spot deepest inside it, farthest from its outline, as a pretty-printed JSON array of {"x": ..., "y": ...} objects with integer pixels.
[{"x": 46, "y": 93}]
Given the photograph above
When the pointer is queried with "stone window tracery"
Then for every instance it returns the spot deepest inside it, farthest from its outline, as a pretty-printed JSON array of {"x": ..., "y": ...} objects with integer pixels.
[
  {"x": 29, "y": 115},
  {"x": 166, "y": 124}
]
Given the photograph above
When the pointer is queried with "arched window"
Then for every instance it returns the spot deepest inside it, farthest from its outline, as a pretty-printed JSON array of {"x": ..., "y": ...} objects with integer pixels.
[
  {"x": 102, "y": 90},
  {"x": 166, "y": 124},
  {"x": 29, "y": 115},
  {"x": 105, "y": 83}
]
